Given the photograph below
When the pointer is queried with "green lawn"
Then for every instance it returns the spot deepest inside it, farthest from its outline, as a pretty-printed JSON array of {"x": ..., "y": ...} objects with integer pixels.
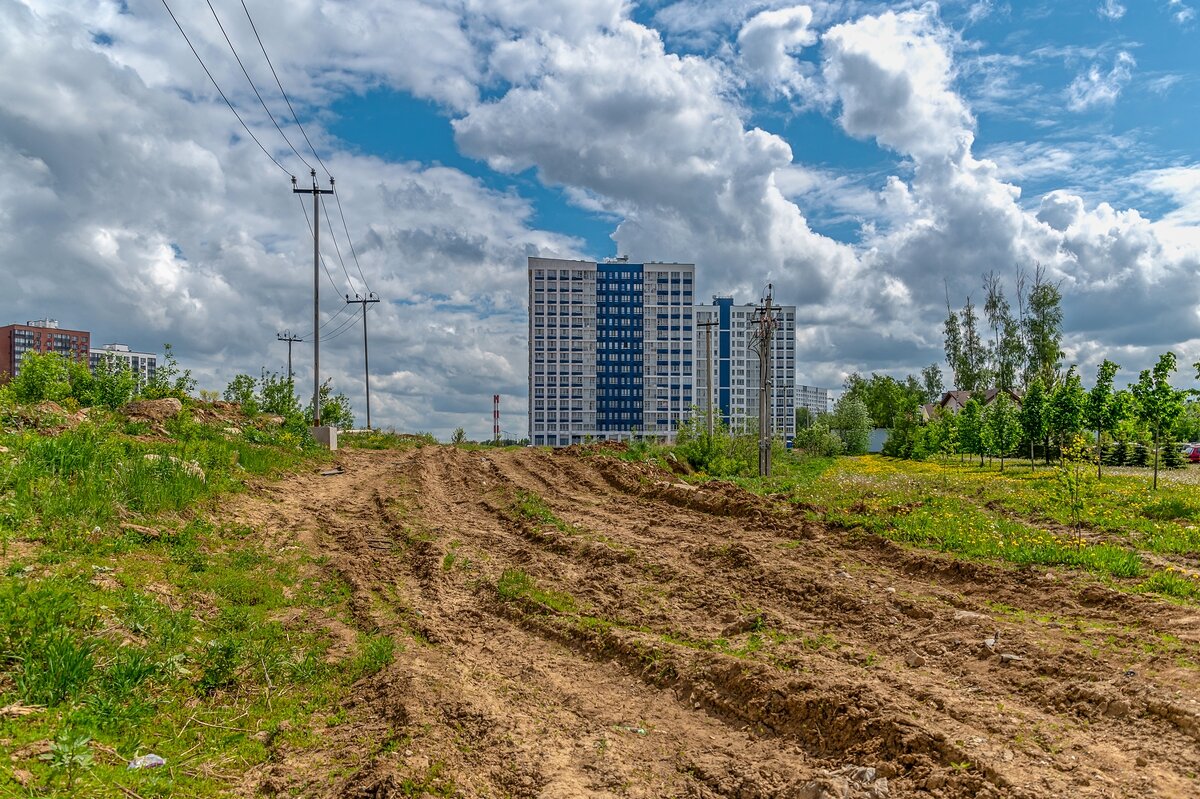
[
  {"x": 133, "y": 621},
  {"x": 1142, "y": 539}
]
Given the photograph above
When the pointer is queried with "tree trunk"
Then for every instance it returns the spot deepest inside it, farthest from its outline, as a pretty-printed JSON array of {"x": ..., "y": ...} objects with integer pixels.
[
  {"x": 1031, "y": 466},
  {"x": 1001, "y": 463},
  {"x": 1099, "y": 455}
]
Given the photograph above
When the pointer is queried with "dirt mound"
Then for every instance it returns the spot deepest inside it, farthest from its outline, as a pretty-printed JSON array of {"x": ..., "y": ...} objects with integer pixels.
[
  {"x": 156, "y": 411},
  {"x": 577, "y": 625}
]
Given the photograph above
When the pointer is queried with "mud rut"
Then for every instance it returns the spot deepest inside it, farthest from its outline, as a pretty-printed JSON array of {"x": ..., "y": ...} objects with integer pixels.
[{"x": 836, "y": 649}]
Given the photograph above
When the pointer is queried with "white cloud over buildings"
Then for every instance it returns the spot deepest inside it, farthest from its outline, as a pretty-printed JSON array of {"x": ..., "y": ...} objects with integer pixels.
[{"x": 129, "y": 179}]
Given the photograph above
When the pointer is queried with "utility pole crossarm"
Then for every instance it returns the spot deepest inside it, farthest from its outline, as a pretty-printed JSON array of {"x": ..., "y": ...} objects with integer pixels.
[{"x": 290, "y": 339}]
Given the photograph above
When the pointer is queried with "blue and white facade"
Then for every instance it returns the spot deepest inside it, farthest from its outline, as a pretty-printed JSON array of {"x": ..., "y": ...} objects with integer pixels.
[
  {"x": 735, "y": 366},
  {"x": 611, "y": 349}
]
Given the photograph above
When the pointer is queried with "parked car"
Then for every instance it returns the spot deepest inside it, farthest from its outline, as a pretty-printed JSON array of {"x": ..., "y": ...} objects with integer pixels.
[{"x": 1191, "y": 452}]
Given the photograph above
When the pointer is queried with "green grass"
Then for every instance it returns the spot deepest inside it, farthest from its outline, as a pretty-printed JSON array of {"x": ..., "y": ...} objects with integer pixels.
[
  {"x": 515, "y": 584},
  {"x": 385, "y": 439},
  {"x": 162, "y": 640},
  {"x": 530, "y": 507},
  {"x": 1015, "y": 517}
]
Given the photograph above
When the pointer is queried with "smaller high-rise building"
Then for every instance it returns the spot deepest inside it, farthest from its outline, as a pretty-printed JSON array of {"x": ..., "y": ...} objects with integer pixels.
[
  {"x": 814, "y": 400},
  {"x": 141, "y": 364},
  {"x": 736, "y": 366},
  {"x": 41, "y": 335}
]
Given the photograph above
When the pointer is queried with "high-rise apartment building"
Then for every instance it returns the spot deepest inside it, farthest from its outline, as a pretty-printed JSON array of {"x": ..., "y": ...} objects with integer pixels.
[
  {"x": 814, "y": 400},
  {"x": 141, "y": 364},
  {"x": 736, "y": 366},
  {"x": 42, "y": 335},
  {"x": 610, "y": 349}
]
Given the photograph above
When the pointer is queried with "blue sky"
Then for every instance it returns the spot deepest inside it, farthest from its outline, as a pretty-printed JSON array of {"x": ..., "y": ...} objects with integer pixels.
[{"x": 863, "y": 156}]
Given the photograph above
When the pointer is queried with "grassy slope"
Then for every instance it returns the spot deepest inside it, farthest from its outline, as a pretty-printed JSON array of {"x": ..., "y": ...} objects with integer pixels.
[{"x": 133, "y": 621}]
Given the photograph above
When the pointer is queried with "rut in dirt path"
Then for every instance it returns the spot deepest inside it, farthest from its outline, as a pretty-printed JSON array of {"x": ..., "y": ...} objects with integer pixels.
[{"x": 757, "y": 653}]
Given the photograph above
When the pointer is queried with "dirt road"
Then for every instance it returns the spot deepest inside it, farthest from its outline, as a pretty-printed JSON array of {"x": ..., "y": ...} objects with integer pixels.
[{"x": 704, "y": 642}]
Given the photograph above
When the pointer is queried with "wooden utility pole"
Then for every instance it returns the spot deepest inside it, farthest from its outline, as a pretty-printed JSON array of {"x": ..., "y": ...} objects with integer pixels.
[
  {"x": 365, "y": 302},
  {"x": 764, "y": 319},
  {"x": 290, "y": 339},
  {"x": 316, "y": 231},
  {"x": 708, "y": 326}
]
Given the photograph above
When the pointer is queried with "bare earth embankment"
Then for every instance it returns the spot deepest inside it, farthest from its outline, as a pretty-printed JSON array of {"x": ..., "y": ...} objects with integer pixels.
[{"x": 576, "y": 625}]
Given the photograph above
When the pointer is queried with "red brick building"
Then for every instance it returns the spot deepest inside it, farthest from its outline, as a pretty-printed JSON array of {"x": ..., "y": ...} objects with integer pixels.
[{"x": 43, "y": 335}]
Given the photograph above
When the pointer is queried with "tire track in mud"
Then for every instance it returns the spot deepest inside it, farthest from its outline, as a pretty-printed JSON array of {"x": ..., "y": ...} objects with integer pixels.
[
  {"x": 514, "y": 698},
  {"x": 1096, "y": 706}
]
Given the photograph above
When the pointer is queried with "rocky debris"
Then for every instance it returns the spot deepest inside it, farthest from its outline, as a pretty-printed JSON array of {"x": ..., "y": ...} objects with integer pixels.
[
  {"x": 1009, "y": 657},
  {"x": 914, "y": 661},
  {"x": 272, "y": 419},
  {"x": 48, "y": 417},
  {"x": 850, "y": 782},
  {"x": 968, "y": 615},
  {"x": 190, "y": 467},
  {"x": 233, "y": 431},
  {"x": 154, "y": 411}
]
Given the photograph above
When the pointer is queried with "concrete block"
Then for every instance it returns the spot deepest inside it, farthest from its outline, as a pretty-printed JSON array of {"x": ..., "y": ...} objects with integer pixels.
[{"x": 326, "y": 436}]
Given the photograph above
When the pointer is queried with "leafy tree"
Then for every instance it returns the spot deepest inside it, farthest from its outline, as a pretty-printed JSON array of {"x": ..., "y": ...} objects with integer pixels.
[
  {"x": 852, "y": 423},
  {"x": 241, "y": 391},
  {"x": 459, "y": 437},
  {"x": 1068, "y": 403},
  {"x": 886, "y": 398},
  {"x": 1103, "y": 407},
  {"x": 335, "y": 409},
  {"x": 1035, "y": 412},
  {"x": 932, "y": 382},
  {"x": 1159, "y": 403},
  {"x": 1187, "y": 426},
  {"x": 43, "y": 376},
  {"x": 1001, "y": 427},
  {"x": 1007, "y": 350},
  {"x": 111, "y": 385},
  {"x": 952, "y": 335},
  {"x": 278, "y": 395},
  {"x": 169, "y": 380},
  {"x": 974, "y": 355},
  {"x": 1043, "y": 329},
  {"x": 970, "y": 429},
  {"x": 818, "y": 439}
]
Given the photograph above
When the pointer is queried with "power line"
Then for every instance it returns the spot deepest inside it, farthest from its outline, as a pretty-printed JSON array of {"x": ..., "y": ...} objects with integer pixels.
[
  {"x": 349, "y": 323},
  {"x": 348, "y": 239},
  {"x": 250, "y": 80},
  {"x": 327, "y": 322},
  {"x": 304, "y": 133},
  {"x": 266, "y": 152},
  {"x": 323, "y": 266},
  {"x": 254, "y": 28},
  {"x": 336, "y": 248}
]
